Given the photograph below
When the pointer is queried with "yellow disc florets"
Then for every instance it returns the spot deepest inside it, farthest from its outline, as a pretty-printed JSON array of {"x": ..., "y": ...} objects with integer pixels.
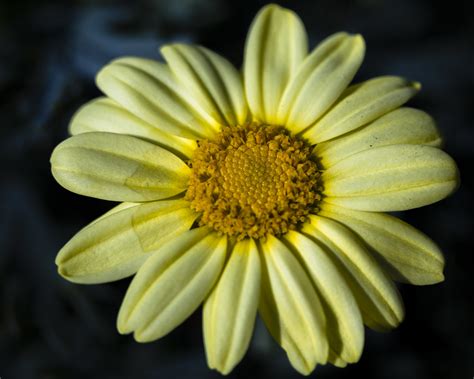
[{"x": 252, "y": 181}]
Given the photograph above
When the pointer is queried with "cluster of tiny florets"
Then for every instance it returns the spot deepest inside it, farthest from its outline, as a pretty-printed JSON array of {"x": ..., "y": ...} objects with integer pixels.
[{"x": 252, "y": 181}]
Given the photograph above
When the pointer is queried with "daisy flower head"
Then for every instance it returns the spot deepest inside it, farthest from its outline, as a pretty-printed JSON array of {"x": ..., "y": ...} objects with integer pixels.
[{"x": 261, "y": 192}]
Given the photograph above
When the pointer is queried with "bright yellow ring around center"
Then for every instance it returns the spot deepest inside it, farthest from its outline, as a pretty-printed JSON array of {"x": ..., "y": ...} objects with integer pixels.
[{"x": 253, "y": 180}]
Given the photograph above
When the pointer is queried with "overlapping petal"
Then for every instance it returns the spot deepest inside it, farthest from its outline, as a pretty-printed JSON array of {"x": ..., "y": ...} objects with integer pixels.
[
  {"x": 117, "y": 167},
  {"x": 147, "y": 89},
  {"x": 361, "y": 104},
  {"x": 376, "y": 294},
  {"x": 291, "y": 309},
  {"x": 401, "y": 126},
  {"x": 320, "y": 80},
  {"x": 211, "y": 80},
  {"x": 405, "y": 252},
  {"x": 345, "y": 328},
  {"x": 229, "y": 312},
  {"x": 391, "y": 178},
  {"x": 172, "y": 284},
  {"x": 275, "y": 47},
  {"x": 106, "y": 115},
  {"x": 116, "y": 245},
  {"x": 119, "y": 207}
]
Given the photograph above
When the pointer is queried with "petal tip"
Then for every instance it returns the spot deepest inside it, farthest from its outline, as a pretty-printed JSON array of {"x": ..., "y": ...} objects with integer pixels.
[
  {"x": 436, "y": 278},
  {"x": 63, "y": 272},
  {"x": 142, "y": 337},
  {"x": 166, "y": 50},
  {"x": 271, "y": 7},
  {"x": 72, "y": 276},
  {"x": 121, "y": 328},
  {"x": 101, "y": 74},
  {"x": 359, "y": 41},
  {"x": 122, "y": 323},
  {"x": 222, "y": 369},
  {"x": 169, "y": 46},
  {"x": 59, "y": 259}
]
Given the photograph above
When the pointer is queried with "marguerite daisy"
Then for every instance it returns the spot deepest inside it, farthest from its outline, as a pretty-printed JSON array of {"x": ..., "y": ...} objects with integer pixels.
[{"x": 260, "y": 193}]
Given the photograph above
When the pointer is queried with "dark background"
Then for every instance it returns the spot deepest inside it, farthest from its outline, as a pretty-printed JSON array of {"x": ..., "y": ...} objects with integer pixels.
[{"x": 49, "y": 53}]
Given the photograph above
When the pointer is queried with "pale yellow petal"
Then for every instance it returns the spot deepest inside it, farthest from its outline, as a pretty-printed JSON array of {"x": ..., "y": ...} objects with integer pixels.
[
  {"x": 157, "y": 222},
  {"x": 361, "y": 104},
  {"x": 401, "y": 126},
  {"x": 211, "y": 79},
  {"x": 376, "y": 294},
  {"x": 147, "y": 89},
  {"x": 291, "y": 308},
  {"x": 391, "y": 178},
  {"x": 336, "y": 360},
  {"x": 275, "y": 47},
  {"x": 106, "y": 115},
  {"x": 320, "y": 80},
  {"x": 119, "y": 207},
  {"x": 116, "y": 245},
  {"x": 117, "y": 167},
  {"x": 345, "y": 328},
  {"x": 229, "y": 312},
  {"x": 172, "y": 284},
  {"x": 405, "y": 252}
]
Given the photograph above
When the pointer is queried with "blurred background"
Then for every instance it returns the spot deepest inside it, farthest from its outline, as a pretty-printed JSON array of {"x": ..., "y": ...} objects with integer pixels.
[{"x": 50, "y": 52}]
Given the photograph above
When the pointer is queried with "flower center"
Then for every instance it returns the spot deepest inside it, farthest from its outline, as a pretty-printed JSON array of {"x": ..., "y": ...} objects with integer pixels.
[{"x": 253, "y": 180}]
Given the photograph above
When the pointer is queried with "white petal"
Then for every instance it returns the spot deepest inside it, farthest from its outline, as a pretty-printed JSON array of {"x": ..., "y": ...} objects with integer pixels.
[
  {"x": 406, "y": 253},
  {"x": 344, "y": 322},
  {"x": 105, "y": 115},
  {"x": 147, "y": 89},
  {"x": 401, "y": 126},
  {"x": 291, "y": 308},
  {"x": 172, "y": 284},
  {"x": 275, "y": 47},
  {"x": 391, "y": 178},
  {"x": 118, "y": 167},
  {"x": 211, "y": 79},
  {"x": 376, "y": 294},
  {"x": 361, "y": 104},
  {"x": 119, "y": 207},
  {"x": 229, "y": 312},
  {"x": 116, "y": 245},
  {"x": 320, "y": 79}
]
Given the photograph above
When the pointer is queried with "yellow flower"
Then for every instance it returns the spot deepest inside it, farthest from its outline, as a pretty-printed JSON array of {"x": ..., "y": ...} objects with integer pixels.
[{"x": 260, "y": 193}]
